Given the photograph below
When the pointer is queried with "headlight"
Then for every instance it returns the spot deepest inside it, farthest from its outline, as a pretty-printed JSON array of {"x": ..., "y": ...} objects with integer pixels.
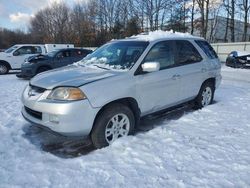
[
  {"x": 66, "y": 94},
  {"x": 242, "y": 61}
]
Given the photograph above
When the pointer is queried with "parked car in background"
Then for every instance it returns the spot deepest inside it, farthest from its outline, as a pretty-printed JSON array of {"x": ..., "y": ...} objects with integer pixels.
[
  {"x": 13, "y": 57},
  {"x": 105, "y": 95},
  {"x": 55, "y": 59},
  {"x": 238, "y": 59}
]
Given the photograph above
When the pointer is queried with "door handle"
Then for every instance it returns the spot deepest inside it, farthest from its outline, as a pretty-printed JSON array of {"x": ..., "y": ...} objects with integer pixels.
[{"x": 176, "y": 77}]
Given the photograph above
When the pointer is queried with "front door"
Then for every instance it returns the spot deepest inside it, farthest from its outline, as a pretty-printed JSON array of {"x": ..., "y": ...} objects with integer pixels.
[
  {"x": 160, "y": 89},
  {"x": 22, "y": 53},
  {"x": 63, "y": 58}
]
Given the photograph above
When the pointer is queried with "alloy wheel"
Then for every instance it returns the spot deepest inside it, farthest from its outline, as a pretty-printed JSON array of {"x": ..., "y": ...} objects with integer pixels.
[
  {"x": 118, "y": 126},
  {"x": 206, "y": 96},
  {"x": 3, "y": 69}
]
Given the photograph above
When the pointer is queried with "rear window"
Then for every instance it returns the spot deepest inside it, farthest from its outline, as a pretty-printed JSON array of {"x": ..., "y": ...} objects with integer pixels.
[{"x": 207, "y": 49}]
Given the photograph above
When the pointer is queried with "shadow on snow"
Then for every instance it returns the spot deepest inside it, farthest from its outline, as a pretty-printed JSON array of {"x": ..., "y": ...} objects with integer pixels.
[{"x": 65, "y": 147}]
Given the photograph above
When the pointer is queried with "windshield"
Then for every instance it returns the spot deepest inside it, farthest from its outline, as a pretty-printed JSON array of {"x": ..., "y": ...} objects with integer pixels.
[
  {"x": 52, "y": 53},
  {"x": 11, "y": 49},
  {"x": 120, "y": 55}
]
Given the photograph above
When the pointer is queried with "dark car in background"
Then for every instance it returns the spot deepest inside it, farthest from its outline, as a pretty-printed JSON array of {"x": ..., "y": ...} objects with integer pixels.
[
  {"x": 238, "y": 59},
  {"x": 55, "y": 59}
]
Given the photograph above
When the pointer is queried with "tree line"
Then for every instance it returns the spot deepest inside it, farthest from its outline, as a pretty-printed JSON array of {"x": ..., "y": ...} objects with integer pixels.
[{"x": 94, "y": 22}]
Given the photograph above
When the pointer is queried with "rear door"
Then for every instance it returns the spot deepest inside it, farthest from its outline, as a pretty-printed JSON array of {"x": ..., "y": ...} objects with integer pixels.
[
  {"x": 63, "y": 58},
  {"x": 77, "y": 55},
  {"x": 190, "y": 64}
]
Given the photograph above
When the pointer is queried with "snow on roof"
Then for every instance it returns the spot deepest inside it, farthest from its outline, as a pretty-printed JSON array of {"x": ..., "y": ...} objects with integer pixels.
[{"x": 159, "y": 34}]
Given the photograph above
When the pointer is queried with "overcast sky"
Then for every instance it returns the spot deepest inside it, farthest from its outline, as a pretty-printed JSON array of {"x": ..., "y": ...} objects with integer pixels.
[{"x": 15, "y": 14}]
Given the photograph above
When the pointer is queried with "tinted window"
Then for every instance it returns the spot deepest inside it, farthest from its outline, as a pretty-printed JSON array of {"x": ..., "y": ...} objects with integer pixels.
[
  {"x": 163, "y": 53},
  {"x": 38, "y": 49},
  {"x": 80, "y": 52},
  {"x": 186, "y": 53},
  {"x": 207, "y": 49},
  {"x": 64, "y": 54}
]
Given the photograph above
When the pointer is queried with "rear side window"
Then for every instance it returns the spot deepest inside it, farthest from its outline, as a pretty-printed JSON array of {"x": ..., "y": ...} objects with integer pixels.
[
  {"x": 186, "y": 53},
  {"x": 64, "y": 54},
  {"x": 38, "y": 49},
  {"x": 78, "y": 52},
  {"x": 207, "y": 49}
]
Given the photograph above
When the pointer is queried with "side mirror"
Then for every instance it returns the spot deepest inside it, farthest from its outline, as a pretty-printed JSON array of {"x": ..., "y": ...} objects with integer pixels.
[{"x": 150, "y": 67}]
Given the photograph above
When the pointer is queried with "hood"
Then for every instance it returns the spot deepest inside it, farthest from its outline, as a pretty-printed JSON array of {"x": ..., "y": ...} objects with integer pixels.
[
  {"x": 240, "y": 53},
  {"x": 74, "y": 76},
  {"x": 38, "y": 57},
  {"x": 3, "y": 54}
]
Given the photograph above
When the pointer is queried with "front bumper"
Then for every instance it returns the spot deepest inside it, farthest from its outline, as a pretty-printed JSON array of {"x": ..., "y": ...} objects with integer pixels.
[
  {"x": 26, "y": 72},
  {"x": 74, "y": 118}
]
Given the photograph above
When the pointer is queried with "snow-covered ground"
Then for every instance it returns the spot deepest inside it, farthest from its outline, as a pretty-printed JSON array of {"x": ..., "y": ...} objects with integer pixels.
[{"x": 204, "y": 148}]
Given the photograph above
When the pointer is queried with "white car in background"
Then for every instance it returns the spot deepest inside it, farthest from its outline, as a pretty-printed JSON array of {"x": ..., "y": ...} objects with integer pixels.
[
  {"x": 105, "y": 95},
  {"x": 13, "y": 57}
]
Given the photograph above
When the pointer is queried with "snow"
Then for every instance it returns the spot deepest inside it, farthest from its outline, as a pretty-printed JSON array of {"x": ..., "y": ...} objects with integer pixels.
[
  {"x": 100, "y": 63},
  {"x": 159, "y": 34},
  {"x": 185, "y": 148}
]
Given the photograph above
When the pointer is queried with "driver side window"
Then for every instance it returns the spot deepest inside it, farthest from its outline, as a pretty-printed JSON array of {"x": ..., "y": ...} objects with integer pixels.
[
  {"x": 163, "y": 53},
  {"x": 27, "y": 50}
]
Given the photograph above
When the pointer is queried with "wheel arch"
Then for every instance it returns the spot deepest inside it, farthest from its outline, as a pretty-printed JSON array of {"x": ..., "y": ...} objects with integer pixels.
[
  {"x": 210, "y": 80},
  {"x": 6, "y": 63},
  {"x": 129, "y": 102}
]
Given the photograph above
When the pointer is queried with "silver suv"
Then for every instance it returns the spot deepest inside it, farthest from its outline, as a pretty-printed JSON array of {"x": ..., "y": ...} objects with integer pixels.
[{"x": 105, "y": 95}]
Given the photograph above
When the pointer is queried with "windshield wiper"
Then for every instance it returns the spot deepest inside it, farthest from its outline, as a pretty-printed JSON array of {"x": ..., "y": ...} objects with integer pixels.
[{"x": 101, "y": 67}]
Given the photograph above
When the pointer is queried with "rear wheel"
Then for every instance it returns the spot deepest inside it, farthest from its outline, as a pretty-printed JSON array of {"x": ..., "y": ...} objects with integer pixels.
[
  {"x": 205, "y": 96},
  {"x": 115, "y": 121},
  {"x": 4, "y": 69}
]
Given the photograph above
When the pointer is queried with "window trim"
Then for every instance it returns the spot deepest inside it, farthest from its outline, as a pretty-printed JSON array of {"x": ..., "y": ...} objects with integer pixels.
[
  {"x": 139, "y": 68},
  {"x": 197, "y": 41},
  {"x": 176, "y": 53}
]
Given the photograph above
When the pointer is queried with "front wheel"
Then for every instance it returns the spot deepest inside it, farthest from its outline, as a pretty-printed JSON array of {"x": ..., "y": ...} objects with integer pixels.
[
  {"x": 3, "y": 69},
  {"x": 205, "y": 96},
  {"x": 115, "y": 121}
]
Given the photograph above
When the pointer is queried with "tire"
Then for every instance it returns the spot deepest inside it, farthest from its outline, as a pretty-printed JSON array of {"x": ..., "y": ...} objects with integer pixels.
[
  {"x": 4, "y": 69},
  {"x": 42, "y": 69},
  {"x": 106, "y": 131},
  {"x": 205, "y": 96}
]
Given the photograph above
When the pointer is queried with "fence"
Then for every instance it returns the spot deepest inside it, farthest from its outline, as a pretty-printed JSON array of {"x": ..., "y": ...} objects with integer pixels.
[{"x": 223, "y": 49}]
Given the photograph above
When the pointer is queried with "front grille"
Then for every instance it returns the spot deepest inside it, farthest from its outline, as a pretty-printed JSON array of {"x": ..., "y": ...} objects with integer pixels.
[{"x": 33, "y": 113}]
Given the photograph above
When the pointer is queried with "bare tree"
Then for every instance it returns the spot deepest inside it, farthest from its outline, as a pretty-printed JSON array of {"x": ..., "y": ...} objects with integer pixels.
[
  {"x": 204, "y": 11},
  {"x": 153, "y": 12},
  {"x": 232, "y": 20},
  {"x": 245, "y": 6},
  {"x": 52, "y": 23}
]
